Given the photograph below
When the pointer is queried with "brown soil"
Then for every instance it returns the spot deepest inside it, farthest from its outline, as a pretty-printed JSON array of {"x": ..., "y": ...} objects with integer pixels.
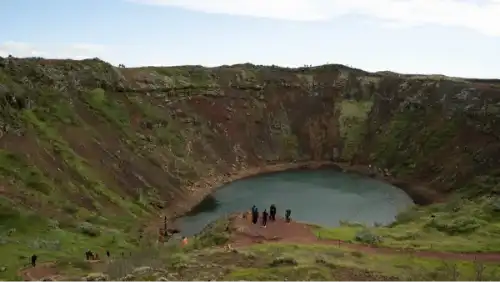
[
  {"x": 48, "y": 270},
  {"x": 41, "y": 271},
  {"x": 247, "y": 233}
]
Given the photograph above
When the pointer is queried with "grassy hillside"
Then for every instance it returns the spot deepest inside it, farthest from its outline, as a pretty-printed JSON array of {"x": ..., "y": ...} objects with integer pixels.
[
  {"x": 88, "y": 150},
  {"x": 206, "y": 258}
]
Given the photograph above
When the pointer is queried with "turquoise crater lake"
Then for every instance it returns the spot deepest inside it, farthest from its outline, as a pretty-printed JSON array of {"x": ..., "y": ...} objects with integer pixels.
[{"x": 323, "y": 197}]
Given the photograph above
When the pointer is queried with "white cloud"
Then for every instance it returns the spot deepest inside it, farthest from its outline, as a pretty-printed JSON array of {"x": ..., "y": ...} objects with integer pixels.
[
  {"x": 19, "y": 49},
  {"x": 482, "y": 16},
  {"x": 63, "y": 51}
]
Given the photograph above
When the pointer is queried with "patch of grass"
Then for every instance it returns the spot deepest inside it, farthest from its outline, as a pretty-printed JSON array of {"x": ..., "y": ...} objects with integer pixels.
[
  {"x": 53, "y": 107},
  {"x": 185, "y": 76},
  {"x": 89, "y": 229},
  {"x": 352, "y": 124},
  {"x": 23, "y": 234},
  {"x": 50, "y": 136},
  {"x": 16, "y": 167},
  {"x": 403, "y": 267},
  {"x": 88, "y": 178},
  {"x": 113, "y": 112},
  {"x": 215, "y": 234},
  {"x": 307, "y": 273},
  {"x": 344, "y": 233},
  {"x": 456, "y": 226},
  {"x": 414, "y": 133}
]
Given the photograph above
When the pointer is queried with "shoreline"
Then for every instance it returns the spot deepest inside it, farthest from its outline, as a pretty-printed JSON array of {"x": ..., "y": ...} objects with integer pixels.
[{"x": 203, "y": 188}]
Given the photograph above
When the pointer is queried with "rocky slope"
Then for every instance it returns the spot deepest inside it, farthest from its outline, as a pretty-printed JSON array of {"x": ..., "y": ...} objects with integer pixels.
[
  {"x": 88, "y": 135},
  {"x": 91, "y": 146}
]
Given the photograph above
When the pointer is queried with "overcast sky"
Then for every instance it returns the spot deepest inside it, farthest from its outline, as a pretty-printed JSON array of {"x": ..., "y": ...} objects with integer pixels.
[{"x": 451, "y": 37}]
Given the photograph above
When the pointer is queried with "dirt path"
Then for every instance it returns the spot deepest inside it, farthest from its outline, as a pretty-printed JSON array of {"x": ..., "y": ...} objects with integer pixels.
[
  {"x": 46, "y": 270},
  {"x": 295, "y": 232},
  {"x": 37, "y": 273}
]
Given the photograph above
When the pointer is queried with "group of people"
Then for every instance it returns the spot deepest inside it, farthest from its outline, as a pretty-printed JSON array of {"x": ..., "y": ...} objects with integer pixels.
[
  {"x": 89, "y": 255},
  {"x": 271, "y": 215}
]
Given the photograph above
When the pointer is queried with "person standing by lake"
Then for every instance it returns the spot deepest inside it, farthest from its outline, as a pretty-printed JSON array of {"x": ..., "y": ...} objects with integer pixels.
[
  {"x": 255, "y": 214},
  {"x": 288, "y": 213},
  {"x": 272, "y": 212},
  {"x": 265, "y": 215}
]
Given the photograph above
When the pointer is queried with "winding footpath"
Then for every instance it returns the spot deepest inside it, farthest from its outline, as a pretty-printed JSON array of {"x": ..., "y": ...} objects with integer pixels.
[{"x": 300, "y": 233}]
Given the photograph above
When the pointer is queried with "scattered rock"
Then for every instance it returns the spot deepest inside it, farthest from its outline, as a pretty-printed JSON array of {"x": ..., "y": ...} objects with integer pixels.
[
  {"x": 142, "y": 269},
  {"x": 173, "y": 230},
  {"x": 320, "y": 260},
  {"x": 46, "y": 279},
  {"x": 323, "y": 261},
  {"x": 11, "y": 231},
  {"x": 96, "y": 277},
  {"x": 128, "y": 277},
  {"x": 162, "y": 279},
  {"x": 283, "y": 261}
]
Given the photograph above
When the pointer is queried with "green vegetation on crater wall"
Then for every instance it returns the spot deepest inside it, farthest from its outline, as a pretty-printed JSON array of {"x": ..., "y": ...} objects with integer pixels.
[
  {"x": 412, "y": 139},
  {"x": 111, "y": 110},
  {"x": 156, "y": 123},
  {"x": 194, "y": 76},
  {"x": 285, "y": 141},
  {"x": 88, "y": 178},
  {"x": 352, "y": 124},
  {"x": 13, "y": 166}
]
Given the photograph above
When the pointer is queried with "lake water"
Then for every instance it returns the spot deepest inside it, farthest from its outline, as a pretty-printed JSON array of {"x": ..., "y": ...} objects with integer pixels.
[{"x": 323, "y": 197}]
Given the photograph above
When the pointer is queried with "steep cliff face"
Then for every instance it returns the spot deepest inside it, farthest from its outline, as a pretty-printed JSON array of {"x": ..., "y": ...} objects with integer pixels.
[{"x": 87, "y": 139}]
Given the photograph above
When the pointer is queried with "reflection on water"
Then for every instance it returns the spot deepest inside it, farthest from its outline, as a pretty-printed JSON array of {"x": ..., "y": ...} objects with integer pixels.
[
  {"x": 208, "y": 204},
  {"x": 322, "y": 197}
]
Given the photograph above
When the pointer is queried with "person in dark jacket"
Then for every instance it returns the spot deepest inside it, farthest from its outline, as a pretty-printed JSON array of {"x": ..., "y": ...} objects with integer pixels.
[
  {"x": 272, "y": 213},
  {"x": 255, "y": 214},
  {"x": 33, "y": 260},
  {"x": 265, "y": 215},
  {"x": 288, "y": 213}
]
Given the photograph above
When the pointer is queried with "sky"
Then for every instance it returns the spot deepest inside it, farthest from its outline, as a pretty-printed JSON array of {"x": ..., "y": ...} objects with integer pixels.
[{"x": 450, "y": 37}]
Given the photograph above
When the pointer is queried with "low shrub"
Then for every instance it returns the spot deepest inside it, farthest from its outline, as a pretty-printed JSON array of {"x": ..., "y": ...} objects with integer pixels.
[
  {"x": 457, "y": 225},
  {"x": 89, "y": 229},
  {"x": 366, "y": 237}
]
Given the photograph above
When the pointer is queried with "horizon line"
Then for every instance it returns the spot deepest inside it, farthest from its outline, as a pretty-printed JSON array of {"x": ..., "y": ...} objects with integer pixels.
[{"x": 295, "y": 68}]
